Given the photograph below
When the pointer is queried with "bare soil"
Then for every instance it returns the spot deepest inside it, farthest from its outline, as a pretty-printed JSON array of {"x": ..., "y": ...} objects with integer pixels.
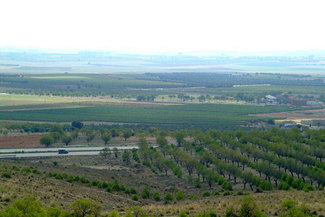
[
  {"x": 19, "y": 141},
  {"x": 303, "y": 114}
]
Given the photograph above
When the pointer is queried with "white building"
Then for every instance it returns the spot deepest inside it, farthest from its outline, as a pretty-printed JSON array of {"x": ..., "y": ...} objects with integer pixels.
[{"x": 270, "y": 100}]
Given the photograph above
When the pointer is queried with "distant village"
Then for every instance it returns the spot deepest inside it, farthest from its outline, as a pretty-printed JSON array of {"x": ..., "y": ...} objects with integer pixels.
[
  {"x": 292, "y": 100},
  {"x": 313, "y": 122}
]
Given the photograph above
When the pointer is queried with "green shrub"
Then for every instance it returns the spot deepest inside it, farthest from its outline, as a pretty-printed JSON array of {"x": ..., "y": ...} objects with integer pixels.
[
  {"x": 58, "y": 176},
  {"x": 133, "y": 191},
  {"x": 154, "y": 171},
  {"x": 288, "y": 204},
  {"x": 135, "y": 197},
  {"x": 230, "y": 213},
  {"x": 135, "y": 211},
  {"x": 122, "y": 187},
  {"x": 240, "y": 192},
  {"x": 266, "y": 186},
  {"x": 145, "y": 193},
  {"x": 146, "y": 163},
  {"x": 298, "y": 184},
  {"x": 36, "y": 171},
  {"x": 249, "y": 208},
  {"x": 84, "y": 180},
  {"x": 206, "y": 194},
  {"x": 15, "y": 168},
  {"x": 47, "y": 140},
  {"x": 114, "y": 213},
  {"x": 24, "y": 207},
  {"x": 179, "y": 195},
  {"x": 210, "y": 214},
  {"x": 226, "y": 193},
  {"x": 95, "y": 183},
  {"x": 213, "y": 214},
  {"x": 197, "y": 183},
  {"x": 27, "y": 170},
  {"x": 6, "y": 174},
  {"x": 284, "y": 186},
  {"x": 104, "y": 185},
  {"x": 168, "y": 198},
  {"x": 289, "y": 180},
  {"x": 177, "y": 172},
  {"x": 127, "y": 191},
  {"x": 109, "y": 189},
  {"x": 308, "y": 187},
  {"x": 76, "y": 178},
  {"x": 70, "y": 179},
  {"x": 292, "y": 210},
  {"x": 116, "y": 187},
  {"x": 183, "y": 214},
  {"x": 156, "y": 196},
  {"x": 82, "y": 206},
  {"x": 193, "y": 197},
  {"x": 227, "y": 186},
  {"x": 203, "y": 214}
]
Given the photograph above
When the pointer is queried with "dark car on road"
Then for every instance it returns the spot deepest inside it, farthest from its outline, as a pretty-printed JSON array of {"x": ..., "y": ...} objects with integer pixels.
[{"x": 62, "y": 151}]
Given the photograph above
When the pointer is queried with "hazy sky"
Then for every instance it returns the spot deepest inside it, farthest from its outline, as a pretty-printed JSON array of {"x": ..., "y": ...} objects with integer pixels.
[{"x": 164, "y": 25}]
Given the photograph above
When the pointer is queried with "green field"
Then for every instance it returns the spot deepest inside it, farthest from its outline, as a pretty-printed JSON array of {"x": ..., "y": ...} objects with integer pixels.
[
  {"x": 209, "y": 100},
  {"x": 189, "y": 116}
]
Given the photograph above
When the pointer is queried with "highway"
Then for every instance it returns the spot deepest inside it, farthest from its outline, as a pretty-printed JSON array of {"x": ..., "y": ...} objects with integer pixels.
[{"x": 52, "y": 152}]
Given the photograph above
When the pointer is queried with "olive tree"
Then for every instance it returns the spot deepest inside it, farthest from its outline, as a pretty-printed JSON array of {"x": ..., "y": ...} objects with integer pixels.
[{"x": 47, "y": 140}]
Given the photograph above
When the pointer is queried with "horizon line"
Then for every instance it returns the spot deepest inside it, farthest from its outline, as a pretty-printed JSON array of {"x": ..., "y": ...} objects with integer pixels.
[{"x": 298, "y": 52}]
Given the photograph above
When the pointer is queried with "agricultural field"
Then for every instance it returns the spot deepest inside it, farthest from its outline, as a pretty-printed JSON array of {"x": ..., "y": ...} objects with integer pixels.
[
  {"x": 220, "y": 85},
  {"x": 187, "y": 116},
  {"x": 14, "y": 102},
  {"x": 164, "y": 100},
  {"x": 18, "y": 141},
  {"x": 300, "y": 117}
]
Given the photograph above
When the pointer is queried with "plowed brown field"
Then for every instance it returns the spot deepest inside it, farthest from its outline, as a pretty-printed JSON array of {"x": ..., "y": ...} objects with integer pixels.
[{"x": 15, "y": 141}]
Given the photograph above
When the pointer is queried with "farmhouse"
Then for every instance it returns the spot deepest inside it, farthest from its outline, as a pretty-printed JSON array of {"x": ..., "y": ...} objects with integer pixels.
[
  {"x": 287, "y": 125},
  {"x": 270, "y": 99}
]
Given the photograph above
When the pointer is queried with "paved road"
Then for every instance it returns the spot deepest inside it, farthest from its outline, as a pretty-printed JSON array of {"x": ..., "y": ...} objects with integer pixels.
[
  {"x": 96, "y": 148},
  {"x": 50, "y": 152}
]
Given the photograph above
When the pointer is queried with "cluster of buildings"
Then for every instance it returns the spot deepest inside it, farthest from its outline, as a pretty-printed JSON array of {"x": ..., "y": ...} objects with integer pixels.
[
  {"x": 313, "y": 124},
  {"x": 272, "y": 100}
]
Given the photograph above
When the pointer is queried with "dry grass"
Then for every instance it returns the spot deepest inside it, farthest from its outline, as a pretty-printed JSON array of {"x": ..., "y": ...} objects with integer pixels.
[
  {"x": 60, "y": 192},
  {"x": 66, "y": 101},
  {"x": 268, "y": 202}
]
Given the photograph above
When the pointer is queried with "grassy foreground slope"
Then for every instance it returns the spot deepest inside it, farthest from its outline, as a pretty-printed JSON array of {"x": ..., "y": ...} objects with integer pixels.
[{"x": 202, "y": 116}]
